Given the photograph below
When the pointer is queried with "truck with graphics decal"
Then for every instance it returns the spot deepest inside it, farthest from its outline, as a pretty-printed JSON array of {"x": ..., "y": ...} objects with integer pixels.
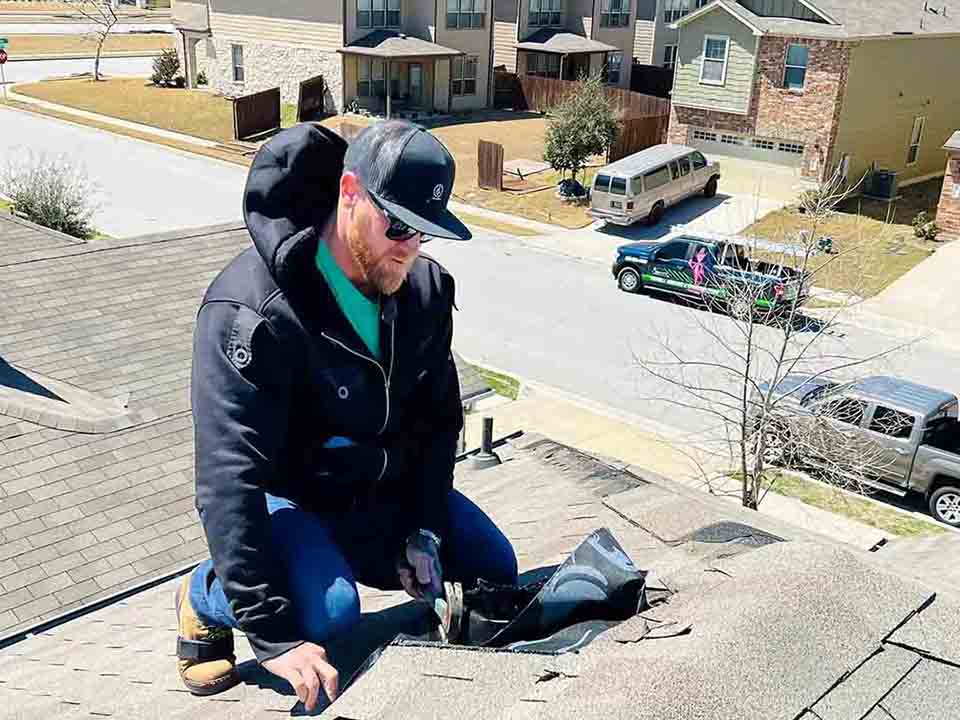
[{"x": 716, "y": 270}]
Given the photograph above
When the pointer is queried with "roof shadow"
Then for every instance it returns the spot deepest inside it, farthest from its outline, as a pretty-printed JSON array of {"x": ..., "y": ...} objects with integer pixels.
[{"x": 14, "y": 379}]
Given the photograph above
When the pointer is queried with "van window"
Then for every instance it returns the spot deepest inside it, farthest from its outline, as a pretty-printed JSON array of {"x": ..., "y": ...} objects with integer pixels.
[
  {"x": 636, "y": 185},
  {"x": 684, "y": 166},
  {"x": 894, "y": 423},
  {"x": 699, "y": 161},
  {"x": 656, "y": 178},
  {"x": 618, "y": 186},
  {"x": 602, "y": 183},
  {"x": 674, "y": 170}
]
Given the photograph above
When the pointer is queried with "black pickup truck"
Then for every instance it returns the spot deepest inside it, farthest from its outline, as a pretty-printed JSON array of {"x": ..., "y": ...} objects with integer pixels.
[{"x": 712, "y": 270}]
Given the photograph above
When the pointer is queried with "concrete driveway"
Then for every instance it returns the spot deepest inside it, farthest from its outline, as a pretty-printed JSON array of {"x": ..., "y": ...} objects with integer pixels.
[{"x": 753, "y": 178}]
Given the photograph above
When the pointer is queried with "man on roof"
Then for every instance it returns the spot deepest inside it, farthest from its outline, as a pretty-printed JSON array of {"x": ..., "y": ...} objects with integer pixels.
[{"x": 327, "y": 409}]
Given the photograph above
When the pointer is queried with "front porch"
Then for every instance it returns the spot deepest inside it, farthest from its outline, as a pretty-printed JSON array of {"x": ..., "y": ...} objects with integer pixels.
[
  {"x": 395, "y": 75},
  {"x": 562, "y": 55}
]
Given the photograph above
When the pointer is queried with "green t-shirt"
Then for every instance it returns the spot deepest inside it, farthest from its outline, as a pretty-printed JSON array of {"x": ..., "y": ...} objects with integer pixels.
[{"x": 363, "y": 313}]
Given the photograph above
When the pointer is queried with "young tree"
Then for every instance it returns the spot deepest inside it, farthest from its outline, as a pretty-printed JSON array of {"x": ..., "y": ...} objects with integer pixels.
[
  {"x": 584, "y": 124},
  {"x": 102, "y": 16},
  {"x": 770, "y": 387}
]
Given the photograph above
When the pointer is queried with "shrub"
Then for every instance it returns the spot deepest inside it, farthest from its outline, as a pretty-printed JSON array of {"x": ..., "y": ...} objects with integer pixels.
[
  {"x": 202, "y": 78},
  {"x": 165, "y": 68},
  {"x": 925, "y": 228},
  {"x": 52, "y": 192}
]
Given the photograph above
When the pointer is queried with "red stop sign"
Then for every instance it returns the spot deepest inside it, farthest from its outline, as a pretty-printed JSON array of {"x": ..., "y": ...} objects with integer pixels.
[{"x": 3, "y": 56}]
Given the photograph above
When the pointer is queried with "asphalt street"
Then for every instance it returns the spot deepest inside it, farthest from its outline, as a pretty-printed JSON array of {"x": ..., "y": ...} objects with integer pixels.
[{"x": 26, "y": 71}]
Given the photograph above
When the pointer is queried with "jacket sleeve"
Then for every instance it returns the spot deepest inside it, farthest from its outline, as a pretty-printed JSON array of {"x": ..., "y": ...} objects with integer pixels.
[
  {"x": 240, "y": 393},
  {"x": 440, "y": 422}
]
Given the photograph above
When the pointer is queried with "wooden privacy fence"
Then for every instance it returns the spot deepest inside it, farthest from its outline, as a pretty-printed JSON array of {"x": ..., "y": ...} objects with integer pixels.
[
  {"x": 651, "y": 80},
  {"x": 542, "y": 94},
  {"x": 638, "y": 134},
  {"x": 490, "y": 165},
  {"x": 256, "y": 114},
  {"x": 310, "y": 102}
]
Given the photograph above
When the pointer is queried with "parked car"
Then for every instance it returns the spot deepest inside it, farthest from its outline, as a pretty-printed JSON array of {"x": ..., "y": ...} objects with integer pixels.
[
  {"x": 712, "y": 269},
  {"x": 645, "y": 184},
  {"x": 912, "y": 431}
]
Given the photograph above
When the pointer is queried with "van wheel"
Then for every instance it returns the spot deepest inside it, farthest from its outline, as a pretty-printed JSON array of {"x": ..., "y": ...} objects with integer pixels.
[
  {"x": 710, "y": 189},
  {"x": 656, "y": 214},
  {"x": 629, "y": 281},
  {"x": 945, "y": 505}
]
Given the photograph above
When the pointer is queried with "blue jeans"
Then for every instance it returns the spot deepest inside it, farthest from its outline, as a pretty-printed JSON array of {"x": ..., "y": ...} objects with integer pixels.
[{"x": 325, "y": 558}]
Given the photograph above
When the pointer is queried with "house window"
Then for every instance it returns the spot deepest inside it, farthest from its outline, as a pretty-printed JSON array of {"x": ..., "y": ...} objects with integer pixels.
[
  {"x": 916, "y": 136},
  {"x": 716, "y": 50},
  {"x": 370, "y": 77},
  {"x": 615, "y": 13},
  {"x": 464, "y": 14},
  {"x": 545, "y": 12},
  {"x": 236, "y": 55},
  {"x": 795, "y": 74},
  {"x": 378, "y": 13},
  {"x": 670, "y": 56},
  {"x": 543, "y": 65},
  {"x": 614, "y": 67},
  {"x": 464, "y": 75},
  {"x": 673, "y": 10}
]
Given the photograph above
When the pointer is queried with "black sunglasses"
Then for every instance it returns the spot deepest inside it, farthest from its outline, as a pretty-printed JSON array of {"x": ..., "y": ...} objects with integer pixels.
[{"x": 397, "y": 230}]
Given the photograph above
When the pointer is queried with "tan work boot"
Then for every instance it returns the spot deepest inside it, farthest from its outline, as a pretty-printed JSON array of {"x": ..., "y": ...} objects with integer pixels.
[{"x": 205, "y": 658}]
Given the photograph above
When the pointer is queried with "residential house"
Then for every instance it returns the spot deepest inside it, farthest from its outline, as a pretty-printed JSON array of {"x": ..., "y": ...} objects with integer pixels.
[
  {"x": 436, "y": 53},
  {"x": 819, "y": 84},
  {"x": 948, "y": 212},
  {"x": 564, "y": 39},
  {"x": 645, "y": 32}
]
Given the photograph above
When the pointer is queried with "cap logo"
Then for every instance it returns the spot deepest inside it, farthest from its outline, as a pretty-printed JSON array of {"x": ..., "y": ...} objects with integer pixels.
[{"x": 438, "y": 192}]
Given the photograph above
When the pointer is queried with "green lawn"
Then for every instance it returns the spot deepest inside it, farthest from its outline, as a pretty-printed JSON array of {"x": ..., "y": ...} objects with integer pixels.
[
  {"x": 503, "y": 384},
  {"x": 870, "y": 513},
  {"x": 4, "y": 206}
]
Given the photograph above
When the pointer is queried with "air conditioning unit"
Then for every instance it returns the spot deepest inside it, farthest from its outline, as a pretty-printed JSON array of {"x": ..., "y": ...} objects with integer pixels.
[{"x": 883, "y": 184}]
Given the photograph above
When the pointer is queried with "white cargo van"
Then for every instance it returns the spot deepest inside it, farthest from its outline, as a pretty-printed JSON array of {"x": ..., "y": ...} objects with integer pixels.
[{"x": 645, "y": 184}]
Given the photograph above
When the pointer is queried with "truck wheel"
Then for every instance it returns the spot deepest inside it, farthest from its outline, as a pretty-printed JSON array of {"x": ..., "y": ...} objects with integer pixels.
[
  {"x": 710, "y": 189},
  {"x": 740, "y": 308},
  {"x": 945, "y": 505},
  {"x": 629, "y": 281},
  {"x": 656, "y": 214}
]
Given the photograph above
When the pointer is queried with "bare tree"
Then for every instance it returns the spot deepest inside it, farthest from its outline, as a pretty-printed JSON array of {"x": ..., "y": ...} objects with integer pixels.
[
  {"x": 103, "y": 17},
  {"x": 771, "y": 384}
]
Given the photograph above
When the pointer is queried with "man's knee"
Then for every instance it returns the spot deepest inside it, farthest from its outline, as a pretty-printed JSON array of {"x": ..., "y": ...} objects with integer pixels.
[
  {"x": 334, "y": 613},
  {"x": 503, "y": 564}
]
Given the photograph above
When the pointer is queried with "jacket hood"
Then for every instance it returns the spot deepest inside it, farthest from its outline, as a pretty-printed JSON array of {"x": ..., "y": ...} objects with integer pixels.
[{"x": 292, "y": 188}]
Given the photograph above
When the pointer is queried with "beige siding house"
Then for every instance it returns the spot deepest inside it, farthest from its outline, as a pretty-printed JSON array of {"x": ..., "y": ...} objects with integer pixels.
[
  {"x": 389, "y": 56},
  {"x": 564, "y": 39},
  {"x": 819, "y": 85}
]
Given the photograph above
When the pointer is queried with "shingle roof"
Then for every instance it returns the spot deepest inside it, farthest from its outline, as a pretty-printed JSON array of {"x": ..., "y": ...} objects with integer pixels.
[
  {"x": 797, "y": 629},
  {"x": 84, "y": 515},
  {"x": 393, "y": 44},
  {"x": 847, "y": 19},
  {"x": 562, "y": 42}
]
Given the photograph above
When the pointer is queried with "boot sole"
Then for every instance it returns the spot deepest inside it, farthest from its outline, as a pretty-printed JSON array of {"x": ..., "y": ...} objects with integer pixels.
[{"x": 217, "y": 686}]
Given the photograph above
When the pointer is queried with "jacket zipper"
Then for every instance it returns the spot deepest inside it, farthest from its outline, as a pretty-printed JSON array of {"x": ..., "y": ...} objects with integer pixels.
[{"x": 387, "y": 376}]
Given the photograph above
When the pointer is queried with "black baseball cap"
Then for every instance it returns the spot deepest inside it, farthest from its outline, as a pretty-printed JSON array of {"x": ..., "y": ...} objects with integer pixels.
[{"x": 409, "y": 173}]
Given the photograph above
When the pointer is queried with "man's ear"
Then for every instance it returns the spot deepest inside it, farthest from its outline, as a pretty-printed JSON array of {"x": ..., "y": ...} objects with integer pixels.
[{"x": 350, "y": 189}]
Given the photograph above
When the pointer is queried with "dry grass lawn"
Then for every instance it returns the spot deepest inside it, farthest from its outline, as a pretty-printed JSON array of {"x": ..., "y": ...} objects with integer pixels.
[
  {"x": 23, "y": 45},
  {"x": 41, "y": 6},
  {"x": 870, "y": 254},
  {"x": 193, "y": 112}
]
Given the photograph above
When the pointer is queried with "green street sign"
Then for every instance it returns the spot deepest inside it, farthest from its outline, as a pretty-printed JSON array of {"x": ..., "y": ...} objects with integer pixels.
[{"x": 3, "y": 42}]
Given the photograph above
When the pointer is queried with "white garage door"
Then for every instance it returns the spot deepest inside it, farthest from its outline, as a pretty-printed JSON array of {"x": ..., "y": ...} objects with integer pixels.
[{"x": 779, "y": 152}]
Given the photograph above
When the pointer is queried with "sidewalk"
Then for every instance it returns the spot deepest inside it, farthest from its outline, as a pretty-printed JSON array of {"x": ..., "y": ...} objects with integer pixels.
[{"x": 639, "y": 445}]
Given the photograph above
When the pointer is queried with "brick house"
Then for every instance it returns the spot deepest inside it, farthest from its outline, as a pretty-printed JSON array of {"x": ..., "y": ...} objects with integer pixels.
[
  {"x": 818, "y": 84},
  {"x": 948, "y": 213},
  {"x": 425, "y": 55}
]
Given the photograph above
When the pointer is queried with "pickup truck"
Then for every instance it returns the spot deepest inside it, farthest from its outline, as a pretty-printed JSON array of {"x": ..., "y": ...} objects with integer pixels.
[
  {"x": 912, "y": 429},
  {"x": 711, "y": 269}
]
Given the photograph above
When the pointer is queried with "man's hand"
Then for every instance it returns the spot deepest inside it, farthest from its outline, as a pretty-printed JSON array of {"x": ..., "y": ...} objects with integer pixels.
[
  {"x": 306, "y": 668},
  {"x": 419, "y": 570}
]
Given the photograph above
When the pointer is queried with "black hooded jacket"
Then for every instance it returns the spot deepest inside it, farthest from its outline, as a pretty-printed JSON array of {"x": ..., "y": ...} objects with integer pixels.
[{"x": 278, "y": 370}]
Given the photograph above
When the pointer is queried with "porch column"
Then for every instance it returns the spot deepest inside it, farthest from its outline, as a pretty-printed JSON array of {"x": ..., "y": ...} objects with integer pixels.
[
  {"x": 562, "y": 59},
  {"x": 387, "y": 79}
]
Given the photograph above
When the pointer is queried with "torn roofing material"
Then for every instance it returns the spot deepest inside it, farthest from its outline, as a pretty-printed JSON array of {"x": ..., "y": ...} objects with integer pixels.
[{"x": 782, "y": 630}]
